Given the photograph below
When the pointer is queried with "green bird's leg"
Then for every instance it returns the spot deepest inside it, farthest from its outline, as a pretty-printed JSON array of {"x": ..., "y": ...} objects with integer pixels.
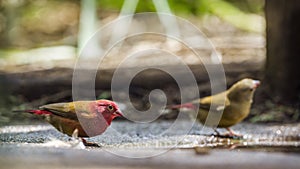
[
  {"x": 232, "y": 133},
  {"x": 216, "y": 131}
]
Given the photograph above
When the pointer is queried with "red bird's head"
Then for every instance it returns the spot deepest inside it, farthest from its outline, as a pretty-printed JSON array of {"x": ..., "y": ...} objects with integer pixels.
[{"x": 109, "y": 110}]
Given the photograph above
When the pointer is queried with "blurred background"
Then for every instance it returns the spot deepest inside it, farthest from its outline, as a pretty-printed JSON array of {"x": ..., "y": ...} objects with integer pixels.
[
  {"x": 40, "y": 41},
  {"x": 31, "y": 24}
]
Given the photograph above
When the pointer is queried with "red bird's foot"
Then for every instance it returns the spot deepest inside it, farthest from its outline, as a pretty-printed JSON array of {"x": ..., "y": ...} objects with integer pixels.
[
  {"x": 86, "y": 143},
  {"x": 89, "y": 144}
]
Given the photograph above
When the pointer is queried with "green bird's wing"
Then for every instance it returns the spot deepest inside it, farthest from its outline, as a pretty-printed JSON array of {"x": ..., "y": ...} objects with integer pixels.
[{"x": 216, "y": 103}]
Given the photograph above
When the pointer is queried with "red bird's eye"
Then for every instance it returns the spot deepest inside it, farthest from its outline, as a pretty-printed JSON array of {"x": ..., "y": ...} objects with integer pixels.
[{"x": 110, "y": 107}]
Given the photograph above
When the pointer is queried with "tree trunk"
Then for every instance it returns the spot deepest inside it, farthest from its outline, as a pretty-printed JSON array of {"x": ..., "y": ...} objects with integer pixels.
[{"x": 283, "y": 50}]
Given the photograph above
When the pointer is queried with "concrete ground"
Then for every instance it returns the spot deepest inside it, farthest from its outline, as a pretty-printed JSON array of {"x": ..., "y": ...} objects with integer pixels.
[{"x": 151, "y": 145}]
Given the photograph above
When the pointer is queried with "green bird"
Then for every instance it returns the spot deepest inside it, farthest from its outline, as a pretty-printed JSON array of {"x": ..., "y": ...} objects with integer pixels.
[{"x": 225, "y": 109}]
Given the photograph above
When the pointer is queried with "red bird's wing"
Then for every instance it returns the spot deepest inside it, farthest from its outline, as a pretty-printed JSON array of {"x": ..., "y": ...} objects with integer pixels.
[
  {"x": 83, "y": 112},
  {"x": 65, "y": 110}
]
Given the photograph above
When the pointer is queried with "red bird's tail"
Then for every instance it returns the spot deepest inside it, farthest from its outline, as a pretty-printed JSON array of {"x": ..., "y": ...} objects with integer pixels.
[{"x": 37, "y": 112}]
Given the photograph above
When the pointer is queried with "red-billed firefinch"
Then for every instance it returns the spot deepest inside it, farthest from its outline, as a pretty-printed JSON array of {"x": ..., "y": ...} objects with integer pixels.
[{"x": 90, "y": 118}]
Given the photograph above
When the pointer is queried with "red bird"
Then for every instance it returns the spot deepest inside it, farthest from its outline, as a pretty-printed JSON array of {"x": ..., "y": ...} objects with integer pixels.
[{"x": 90, "y": 118}]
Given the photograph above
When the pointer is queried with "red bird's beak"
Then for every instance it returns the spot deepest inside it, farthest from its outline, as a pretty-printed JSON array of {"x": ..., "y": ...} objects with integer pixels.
[
  {"x": 256, "y": 83},
  {"x": 118, "y": 113}
]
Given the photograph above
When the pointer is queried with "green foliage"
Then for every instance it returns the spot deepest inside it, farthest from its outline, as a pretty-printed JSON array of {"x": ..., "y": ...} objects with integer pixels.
[
  {"x": 240, "y": 13},
  {"x": 104, "y": 95},
  {"x": 10, "y": 103},
  {"x": 191, "y": 7},
  {"x": 249, "y": 6},
  {"x": 235, "y": 16},
  {"x": 271, "y": 112},
  {"x": 184, "y": 6},
  {"x": 143, "y": 6},
  {"x": 110, "y": 4}
]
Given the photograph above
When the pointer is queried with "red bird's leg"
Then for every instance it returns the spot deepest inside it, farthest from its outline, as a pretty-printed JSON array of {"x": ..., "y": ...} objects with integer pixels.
[
  {"x": 75, "y": 134},
  {"x": 86, "y": 143}
]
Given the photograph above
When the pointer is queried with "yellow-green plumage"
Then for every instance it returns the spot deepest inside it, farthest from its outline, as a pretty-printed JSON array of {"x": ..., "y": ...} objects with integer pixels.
[{"x": 226, "y": 108}]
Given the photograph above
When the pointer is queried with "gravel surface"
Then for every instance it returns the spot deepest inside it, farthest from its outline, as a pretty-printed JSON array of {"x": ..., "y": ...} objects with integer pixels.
[
  {"x": 122, "y": 132},
  {"x": 148, "y": 145}
]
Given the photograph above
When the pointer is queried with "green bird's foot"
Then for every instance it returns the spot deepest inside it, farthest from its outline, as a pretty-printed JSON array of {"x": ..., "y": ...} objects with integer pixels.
[{"x": 231, "y": 134}]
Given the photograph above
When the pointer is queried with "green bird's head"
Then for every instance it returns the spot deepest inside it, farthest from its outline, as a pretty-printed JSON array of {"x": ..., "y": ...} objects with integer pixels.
[{"x": 243, "y": 90}]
